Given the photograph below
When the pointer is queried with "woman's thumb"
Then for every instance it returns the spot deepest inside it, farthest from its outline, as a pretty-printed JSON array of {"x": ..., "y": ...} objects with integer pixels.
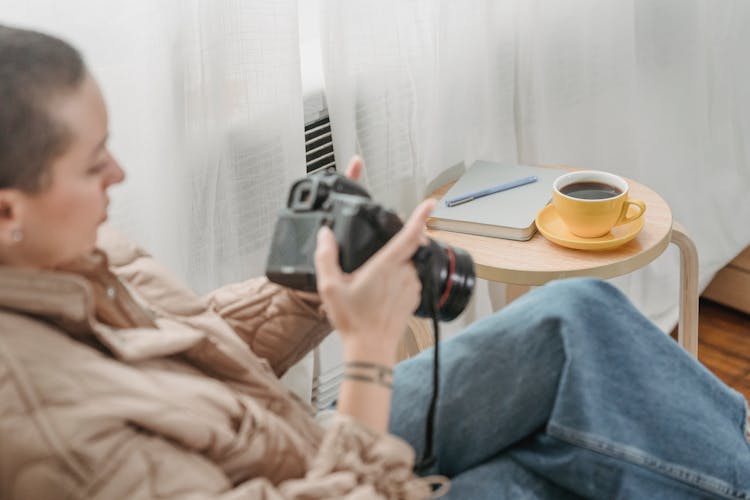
[{"x": 327, "y": 270}]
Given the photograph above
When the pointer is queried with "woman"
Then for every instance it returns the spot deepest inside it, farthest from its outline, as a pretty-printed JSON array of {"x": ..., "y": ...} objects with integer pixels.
[{"x": 117, "y": 382}]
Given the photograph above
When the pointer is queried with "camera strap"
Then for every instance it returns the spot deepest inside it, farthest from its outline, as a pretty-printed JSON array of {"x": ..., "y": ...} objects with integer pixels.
[{"x": 428, "y": 459}]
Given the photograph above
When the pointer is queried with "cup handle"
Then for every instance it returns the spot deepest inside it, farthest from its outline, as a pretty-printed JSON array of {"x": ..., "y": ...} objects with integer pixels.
[{"x": 624, "y": 219}]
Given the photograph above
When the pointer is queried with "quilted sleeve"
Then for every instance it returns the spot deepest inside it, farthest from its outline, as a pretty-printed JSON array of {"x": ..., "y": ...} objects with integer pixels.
[{"x": 279, "y": 324}]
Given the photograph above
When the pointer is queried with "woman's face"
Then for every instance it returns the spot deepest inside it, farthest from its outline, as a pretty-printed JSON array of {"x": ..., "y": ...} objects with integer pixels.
[{"x": 60, "y": 222}]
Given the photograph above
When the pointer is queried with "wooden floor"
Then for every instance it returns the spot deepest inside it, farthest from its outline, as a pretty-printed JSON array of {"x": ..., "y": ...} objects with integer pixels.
[{"x": 724, "y": 344}]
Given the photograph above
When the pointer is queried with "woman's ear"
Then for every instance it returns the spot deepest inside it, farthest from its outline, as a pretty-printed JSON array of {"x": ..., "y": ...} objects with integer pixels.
[{"x": 11, "y": 208}]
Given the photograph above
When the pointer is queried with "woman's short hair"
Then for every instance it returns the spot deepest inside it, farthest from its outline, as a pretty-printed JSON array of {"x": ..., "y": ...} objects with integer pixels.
[{"x": 34, "y": 70}]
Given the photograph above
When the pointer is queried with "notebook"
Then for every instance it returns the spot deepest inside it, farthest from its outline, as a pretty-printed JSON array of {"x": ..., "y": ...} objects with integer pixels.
[{"x": 508, "y": 214}]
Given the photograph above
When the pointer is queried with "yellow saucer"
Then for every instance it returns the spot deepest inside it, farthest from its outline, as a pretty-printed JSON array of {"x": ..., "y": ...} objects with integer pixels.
[{"x": 552, "y": 227}]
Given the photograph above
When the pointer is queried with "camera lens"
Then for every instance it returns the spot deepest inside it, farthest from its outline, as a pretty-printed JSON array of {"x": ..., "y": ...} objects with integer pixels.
[
  {"x": 458, "y": 285},
  {"x": 448, "y": 279}
]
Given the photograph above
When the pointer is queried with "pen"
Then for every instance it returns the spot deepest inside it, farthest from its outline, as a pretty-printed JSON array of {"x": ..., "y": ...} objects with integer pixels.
[{"x": 491, "y": 190}]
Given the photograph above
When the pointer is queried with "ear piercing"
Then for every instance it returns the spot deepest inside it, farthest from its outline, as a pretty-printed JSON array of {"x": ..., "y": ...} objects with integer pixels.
[{"x": 16, "y": 235}]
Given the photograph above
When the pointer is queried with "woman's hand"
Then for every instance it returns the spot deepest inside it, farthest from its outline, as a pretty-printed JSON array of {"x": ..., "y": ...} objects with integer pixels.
[{"x": 370, "y": 307}]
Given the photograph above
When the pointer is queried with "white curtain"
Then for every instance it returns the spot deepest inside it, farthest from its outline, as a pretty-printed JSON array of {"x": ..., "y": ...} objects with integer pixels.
[
  {"x": 656, "y": 91},
  {"x": 414, "y": 93},
  {"x": 205, "y": 109}
]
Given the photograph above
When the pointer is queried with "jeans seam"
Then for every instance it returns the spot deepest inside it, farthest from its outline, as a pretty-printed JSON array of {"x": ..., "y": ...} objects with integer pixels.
[{"x": 639, "y": 458}]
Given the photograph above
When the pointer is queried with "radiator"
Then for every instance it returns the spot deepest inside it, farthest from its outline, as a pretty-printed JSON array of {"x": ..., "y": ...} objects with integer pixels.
[
  {"x": 319, "y": 145},
  {"x": 328, "y": 367}
]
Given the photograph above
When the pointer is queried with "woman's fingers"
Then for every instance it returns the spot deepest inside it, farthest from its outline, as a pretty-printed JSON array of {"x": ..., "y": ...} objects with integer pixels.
[
  {"x": 406, "y": 242},
  {"x": 378, "y": 297},
  {"x": 354, "y": 170},
  {"x": 399, "y": 249},
  {"x": 327, "y": 270}
]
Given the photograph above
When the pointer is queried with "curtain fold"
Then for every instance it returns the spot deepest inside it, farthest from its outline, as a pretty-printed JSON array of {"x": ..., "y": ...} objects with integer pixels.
[
  {"x": 206, "y": 117},
  {"x": 416, "y": 86}
]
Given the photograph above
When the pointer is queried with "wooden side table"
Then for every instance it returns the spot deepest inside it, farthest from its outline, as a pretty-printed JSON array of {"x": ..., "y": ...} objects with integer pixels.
[{"x": 538, "y": 260}]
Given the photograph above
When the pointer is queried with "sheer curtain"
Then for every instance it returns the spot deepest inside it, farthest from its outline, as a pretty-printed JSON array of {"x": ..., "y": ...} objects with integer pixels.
[
  {"x": 205, "y": 109},
  {"x": 418, "y": 87},
  {"x": 656, "y": 91}
]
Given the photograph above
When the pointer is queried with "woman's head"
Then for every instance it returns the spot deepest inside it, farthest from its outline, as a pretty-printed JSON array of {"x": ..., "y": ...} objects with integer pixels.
[{"x": 54, "y": 164}]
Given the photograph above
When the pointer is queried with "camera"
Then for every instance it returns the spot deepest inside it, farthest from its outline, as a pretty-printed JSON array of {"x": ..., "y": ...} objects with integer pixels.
[{"x": 361, "y": 228}]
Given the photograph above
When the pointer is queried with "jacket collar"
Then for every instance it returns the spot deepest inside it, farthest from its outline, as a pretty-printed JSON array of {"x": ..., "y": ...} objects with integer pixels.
[
  {"x": 66, "y": 298},
  {"x": 48, "y": 294}
]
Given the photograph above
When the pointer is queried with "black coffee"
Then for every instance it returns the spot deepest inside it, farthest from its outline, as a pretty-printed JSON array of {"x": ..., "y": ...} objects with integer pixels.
[{"x": 590, "y": 190}]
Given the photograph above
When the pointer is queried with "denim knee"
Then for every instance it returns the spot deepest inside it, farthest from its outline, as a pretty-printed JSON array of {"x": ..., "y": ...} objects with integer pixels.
[
  {"x": 586, "y": 304},
  {"x": 573, "y": 293},
  {"x": 582, "y": 287},
  {"x": 594, "y": 312}
]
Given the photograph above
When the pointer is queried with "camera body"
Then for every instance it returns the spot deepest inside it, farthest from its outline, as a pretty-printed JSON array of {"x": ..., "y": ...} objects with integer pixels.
[{"x": 361, "y": 228}]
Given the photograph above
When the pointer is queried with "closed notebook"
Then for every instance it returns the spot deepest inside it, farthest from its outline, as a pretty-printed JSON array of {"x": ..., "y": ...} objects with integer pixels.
[{"x": 508, "y": 214}]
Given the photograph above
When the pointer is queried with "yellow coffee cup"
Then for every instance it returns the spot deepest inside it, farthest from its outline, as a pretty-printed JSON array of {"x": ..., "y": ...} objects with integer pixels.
[{"x": 591, "y": 202}]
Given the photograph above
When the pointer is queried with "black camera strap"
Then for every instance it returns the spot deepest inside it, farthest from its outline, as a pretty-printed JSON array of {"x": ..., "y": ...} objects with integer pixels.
[{"x": 428, "y": 456}]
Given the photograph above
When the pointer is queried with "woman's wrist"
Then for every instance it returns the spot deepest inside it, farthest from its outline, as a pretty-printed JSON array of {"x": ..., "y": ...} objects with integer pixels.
[
  {"x": 365, "y": 393},
  {"x": 380, "y": 353}
]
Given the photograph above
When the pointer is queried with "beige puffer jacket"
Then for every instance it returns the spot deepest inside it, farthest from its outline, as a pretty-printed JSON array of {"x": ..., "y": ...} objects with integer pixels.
[{"x": 118, "y": 382}]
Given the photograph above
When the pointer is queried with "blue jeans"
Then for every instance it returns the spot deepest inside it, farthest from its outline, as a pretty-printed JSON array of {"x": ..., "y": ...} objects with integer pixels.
[{"x": 569, "y": 392}]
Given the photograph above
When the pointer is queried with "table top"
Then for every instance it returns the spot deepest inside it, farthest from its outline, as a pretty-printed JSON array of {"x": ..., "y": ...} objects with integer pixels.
[{"x": 537, "y": 261}]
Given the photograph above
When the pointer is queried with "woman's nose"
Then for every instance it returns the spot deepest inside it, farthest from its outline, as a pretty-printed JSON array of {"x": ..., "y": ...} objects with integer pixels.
[{"x": 116, "y": 172}]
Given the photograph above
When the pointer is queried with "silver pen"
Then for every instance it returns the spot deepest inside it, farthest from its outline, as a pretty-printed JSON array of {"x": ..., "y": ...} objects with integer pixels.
[{"x": 491, "y": 190}]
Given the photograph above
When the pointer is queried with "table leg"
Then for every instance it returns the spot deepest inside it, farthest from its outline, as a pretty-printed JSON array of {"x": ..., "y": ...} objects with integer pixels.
[
  {"x": 687, "y": 330},
  {"x": 512, "y": 292},
  {"x": 417, "y": 337}
]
